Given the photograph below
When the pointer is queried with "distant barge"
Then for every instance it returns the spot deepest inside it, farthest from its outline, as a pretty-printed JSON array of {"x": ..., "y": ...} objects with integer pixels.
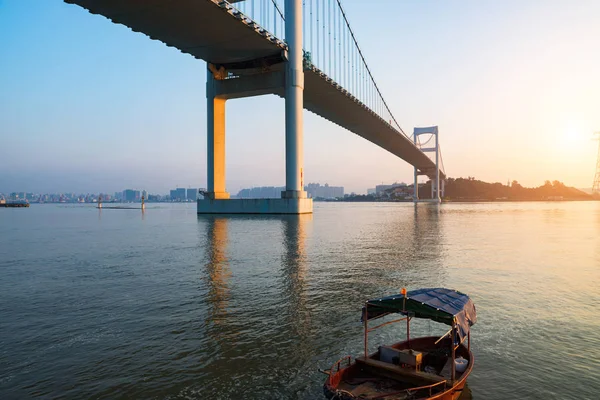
[{"x": 10, "y": 205}]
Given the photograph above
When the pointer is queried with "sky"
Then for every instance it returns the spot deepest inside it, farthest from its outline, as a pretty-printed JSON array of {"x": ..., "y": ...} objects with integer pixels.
[{"x": 90, "y": 106}]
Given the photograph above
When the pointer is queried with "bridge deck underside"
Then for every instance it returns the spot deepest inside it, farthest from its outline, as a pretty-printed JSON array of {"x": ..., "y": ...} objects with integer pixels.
[
  {"x": 326, "y": 99},
  {"x": 210, "y": 32},
  {"x": 198, "y": 27}
]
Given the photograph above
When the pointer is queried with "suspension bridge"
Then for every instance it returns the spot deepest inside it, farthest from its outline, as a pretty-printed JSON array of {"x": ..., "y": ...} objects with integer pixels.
[{"x": 302, "y": 50}]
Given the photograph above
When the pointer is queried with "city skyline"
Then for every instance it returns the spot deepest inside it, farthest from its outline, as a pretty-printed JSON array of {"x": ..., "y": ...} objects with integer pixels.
[{"x": 512, "y": 87}]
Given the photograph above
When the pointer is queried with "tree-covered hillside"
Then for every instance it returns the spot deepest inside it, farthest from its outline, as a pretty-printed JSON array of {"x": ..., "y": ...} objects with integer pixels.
[{"x": 472, "y": 189}]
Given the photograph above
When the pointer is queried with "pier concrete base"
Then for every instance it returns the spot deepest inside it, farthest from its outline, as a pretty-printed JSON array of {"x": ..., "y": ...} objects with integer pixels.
[
  {"x": 255, "y": 206},
  {"x": 435, "y": 201}
]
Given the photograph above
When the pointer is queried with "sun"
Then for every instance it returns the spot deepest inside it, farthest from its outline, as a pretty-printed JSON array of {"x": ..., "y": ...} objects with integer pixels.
[{"x": 572, "y": 137}]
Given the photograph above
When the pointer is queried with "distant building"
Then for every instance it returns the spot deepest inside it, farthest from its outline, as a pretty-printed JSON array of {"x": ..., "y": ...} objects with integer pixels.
[
  {"x": 402, "y": 192},
  {"x": 192, "y": 194},
  {"x": 315, "y": 190},
  {"x": 145, "y": 194},
  {"x": 131, "y": 195},
  {"x": 371, "y": 191},
  {"x": 178, "y": 194},
  {"x": 154, "y": 197},
  {"x": 263, "y": 192},
  {"x": 380, "y": 189}
]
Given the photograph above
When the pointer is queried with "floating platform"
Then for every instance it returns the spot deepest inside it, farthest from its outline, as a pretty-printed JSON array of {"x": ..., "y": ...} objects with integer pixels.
[
  {"x": 14, "y": 205},
  {"x": 255, "y": 206}
]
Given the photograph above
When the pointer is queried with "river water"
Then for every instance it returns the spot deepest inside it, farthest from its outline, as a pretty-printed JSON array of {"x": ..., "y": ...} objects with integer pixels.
[{"x": 171, "y": 305}]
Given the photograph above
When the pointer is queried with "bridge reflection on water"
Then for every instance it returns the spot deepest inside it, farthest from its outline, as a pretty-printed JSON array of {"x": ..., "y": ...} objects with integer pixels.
[
  {"x": 256, "y": 316},
  {"x": 281, "y": 294}
]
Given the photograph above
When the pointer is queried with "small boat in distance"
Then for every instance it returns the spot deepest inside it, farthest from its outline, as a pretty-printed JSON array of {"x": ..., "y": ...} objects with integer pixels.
[{"x": 418, "y": 368}]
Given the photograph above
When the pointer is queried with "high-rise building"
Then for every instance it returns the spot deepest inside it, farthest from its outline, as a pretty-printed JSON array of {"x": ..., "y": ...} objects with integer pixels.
[
  {"x": 131, "y": 195},
  {"x": 192, "y": 194},
  {"x": 145, "y": 194},
  {"x": 178, "y": 194}
]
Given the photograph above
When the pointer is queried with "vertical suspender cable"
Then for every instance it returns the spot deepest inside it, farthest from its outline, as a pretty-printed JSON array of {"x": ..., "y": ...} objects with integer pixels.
[
  {"x": 384, "y": 105},
  {"x": 346, "y": 54},
  {"x": 318, "y": 55},
  {"x": 345, "y": 66},
  {"x": 340, "y": 44},
  {"x": 335, "y": 46},
  {"x": 324, "y": 51},
  {"x": 304, "y": 24},
  {"x": 335, "y": 59},
  {"x": 311, "y": 30},
  {"x": 329, "y": 37},
  {"x": 337, "y": 24}
]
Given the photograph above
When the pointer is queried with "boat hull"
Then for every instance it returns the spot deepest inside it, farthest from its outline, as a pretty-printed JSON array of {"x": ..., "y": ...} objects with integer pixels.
[{"x": 349, "y": 380}]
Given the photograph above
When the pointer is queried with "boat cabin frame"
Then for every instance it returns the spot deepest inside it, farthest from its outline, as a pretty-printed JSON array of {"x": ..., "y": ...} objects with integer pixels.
[
  {"x": 455, "y": 344},
  {"x": 419, "y": 366}
]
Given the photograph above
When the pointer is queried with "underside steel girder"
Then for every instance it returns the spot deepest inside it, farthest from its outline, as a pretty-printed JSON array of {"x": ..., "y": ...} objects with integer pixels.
[{"x": 207, "y": 29}]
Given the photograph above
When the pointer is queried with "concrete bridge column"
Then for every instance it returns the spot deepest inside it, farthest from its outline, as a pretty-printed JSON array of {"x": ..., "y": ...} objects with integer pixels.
[
  {"x": 215, "y": 133},
  {"x": 294, "y": 103}
]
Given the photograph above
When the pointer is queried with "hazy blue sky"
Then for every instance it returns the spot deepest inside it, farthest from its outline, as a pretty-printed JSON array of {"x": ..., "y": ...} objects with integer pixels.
[{"x": 87, "y": 105}]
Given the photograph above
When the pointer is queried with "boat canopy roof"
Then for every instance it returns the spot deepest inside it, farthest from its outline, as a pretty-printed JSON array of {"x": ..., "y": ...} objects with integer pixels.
[{"x": 438, "y": 304}]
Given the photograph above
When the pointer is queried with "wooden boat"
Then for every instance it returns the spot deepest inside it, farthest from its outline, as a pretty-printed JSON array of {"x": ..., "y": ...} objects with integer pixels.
[{"x": 416, "y": 368}]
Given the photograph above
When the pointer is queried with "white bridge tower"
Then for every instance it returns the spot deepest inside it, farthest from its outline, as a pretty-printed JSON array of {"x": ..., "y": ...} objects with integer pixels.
[{"x": 428, "y": 147}]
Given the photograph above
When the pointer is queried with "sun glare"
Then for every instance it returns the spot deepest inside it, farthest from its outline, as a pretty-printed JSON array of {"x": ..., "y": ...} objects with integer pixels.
[{"x": 572, "y": 137}]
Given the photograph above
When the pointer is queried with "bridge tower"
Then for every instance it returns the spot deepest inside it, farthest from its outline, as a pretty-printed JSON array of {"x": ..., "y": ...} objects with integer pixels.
[
  {"x": 596, "y": 186},
  {"x": 223, "y": 85},
  {"x": 436, "y": 193}
]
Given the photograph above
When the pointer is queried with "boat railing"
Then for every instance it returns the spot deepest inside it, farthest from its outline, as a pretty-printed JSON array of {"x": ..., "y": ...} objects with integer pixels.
[
  {"x": 337, "y": 365},
  {"x": 334, "y": 373},
  {"x": 429, "y": 388}
]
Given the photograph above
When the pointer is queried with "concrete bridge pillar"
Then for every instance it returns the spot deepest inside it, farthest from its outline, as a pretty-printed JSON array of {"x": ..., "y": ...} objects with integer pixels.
[
  {"x": 215, "y": 134},
  {"x": 294, "y": 103},
  {"x": 219, "y": 87}
]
